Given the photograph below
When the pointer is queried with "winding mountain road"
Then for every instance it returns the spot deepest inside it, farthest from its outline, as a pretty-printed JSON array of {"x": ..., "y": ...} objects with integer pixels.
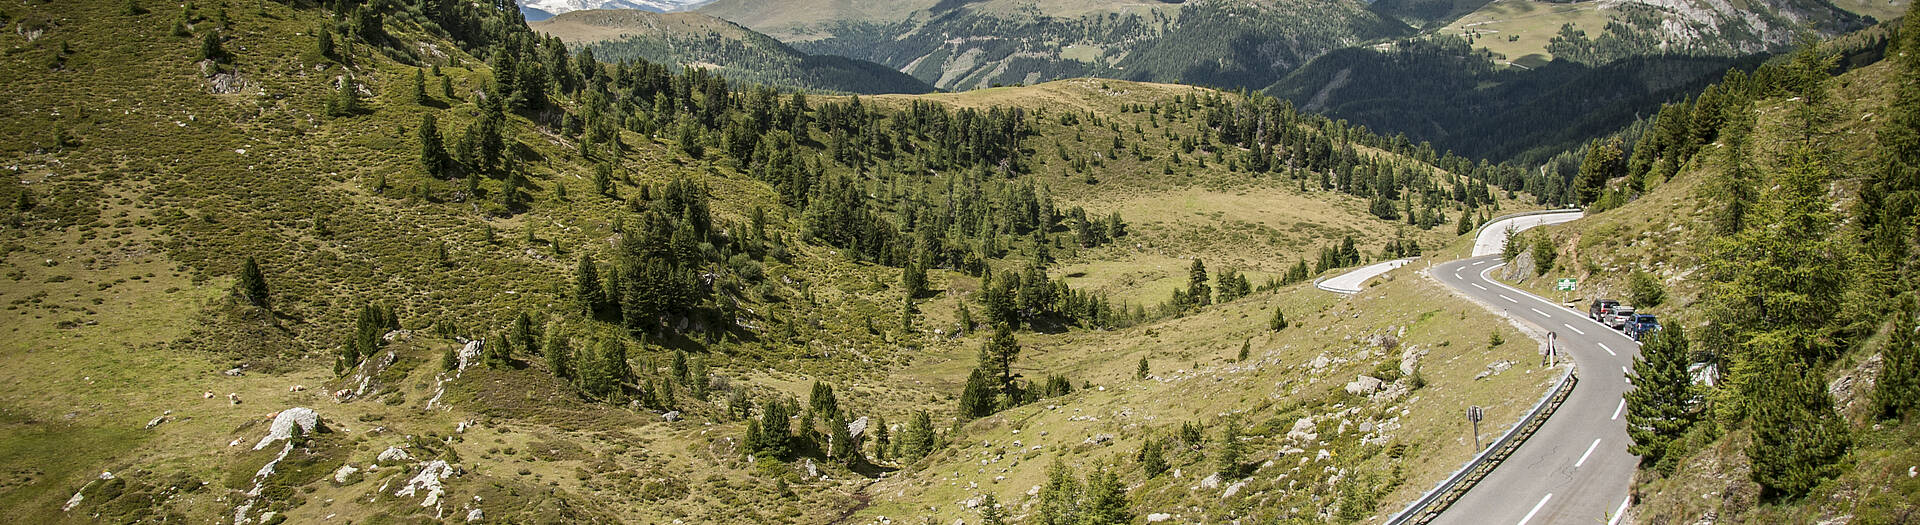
[{"x": 1575, "y": 468}]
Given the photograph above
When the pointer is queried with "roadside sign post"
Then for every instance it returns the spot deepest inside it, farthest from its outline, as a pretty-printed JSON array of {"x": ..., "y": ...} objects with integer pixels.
[
  {"x": 1566, "y": 284},
  {"x": 1552, "y": 350},
  {"x": 1475, "y": 414}
]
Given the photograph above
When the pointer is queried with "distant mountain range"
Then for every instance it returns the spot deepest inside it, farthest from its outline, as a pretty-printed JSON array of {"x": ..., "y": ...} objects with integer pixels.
[
  {"x": 536, "y": 10},
  {"x": 733, "y": 51}
]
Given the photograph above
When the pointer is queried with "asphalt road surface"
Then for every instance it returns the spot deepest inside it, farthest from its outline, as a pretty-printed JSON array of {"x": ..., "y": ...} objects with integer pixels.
[
  {"x": 1349, "y": 283},
  {"x": 1576, "y": 468}
]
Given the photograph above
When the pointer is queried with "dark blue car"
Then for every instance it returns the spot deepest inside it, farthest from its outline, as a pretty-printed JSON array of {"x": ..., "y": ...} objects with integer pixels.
[{"x": 1640, "y": 325}]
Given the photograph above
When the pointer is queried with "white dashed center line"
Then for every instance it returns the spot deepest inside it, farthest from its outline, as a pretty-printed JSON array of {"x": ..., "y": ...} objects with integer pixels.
[
  {"x": 1477, "y": 263},
  {"x": 1575, "y": 330},
  {"x": 1509, "y": 299},
  {"x": 1477, "y": 285},
  {"x": 1583, "y": 457},
  {"x": 1536, "y": 509},
  {"x": 1542, "y": 314},
  {"x": 1603, "y": 346}
]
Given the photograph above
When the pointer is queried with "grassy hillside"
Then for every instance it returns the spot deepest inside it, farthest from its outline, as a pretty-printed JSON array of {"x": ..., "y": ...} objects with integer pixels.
[
  {"x": 1795, "y": 156},
  {"x": 154, "y": 151},
  {"x": 731, "y": 51}
]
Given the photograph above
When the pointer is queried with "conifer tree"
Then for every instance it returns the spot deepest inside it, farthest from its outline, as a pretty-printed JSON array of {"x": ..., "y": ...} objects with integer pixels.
[
  {"x": 998, "y": 356},
  {"x": 346, "y": 99},
  {"x": 990, "y": 513},
  {"x": 1798, "y": 439},
  {"x": 449, "y": 359},
  {"x": 775, "y": 432},
  {"x": 323, "y": 45},
  {"x": 433, "y": 149},
  {"x": 253, "y": 284},
  {"x": 1279, "y": 320},
  {"x": 679, "y": 366},
  {"x": 1105, "y": 500},
  {"x": 559, "y": 352},
  {"x": 1198, "y": 294},
  {"x": 1897, "y": 392},
  {"x": 589, "y": 295},
  {"x": 1604, "y": 162},
  {"x": 880, "y": 437},
  {"x": 1230, "y": 451},
  {"x": 698, "y": 378},
  {"x": 1059, "y": 497},
  {"x": 917, "y": 441},
  {"x": 523, "y": 337},
  {"x": 1152, "y": 457},
  {"x": 1141, "y": 371},
  {"x": 419, "y": 91},
  {"x": 1664, "y": 402},
  {"x": 210, "y": 48}
]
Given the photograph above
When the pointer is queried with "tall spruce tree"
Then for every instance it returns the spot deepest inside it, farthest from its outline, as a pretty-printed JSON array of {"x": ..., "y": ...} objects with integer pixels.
[
  {"x": 589, "y": 296},
  {"x": 1897, "y": 393},
  {"x": 1664, "y": 402},
  {"x": 253, "y": 284},
  {"x": 1105, "y": 500},
  {"x": 1798, "y": 438},
  {"x": 1059, "y": 497},
  {"x": 1198, "y": 293},
  {"x": 433, "y": 149},
  {"x": 559, "y": 352}
]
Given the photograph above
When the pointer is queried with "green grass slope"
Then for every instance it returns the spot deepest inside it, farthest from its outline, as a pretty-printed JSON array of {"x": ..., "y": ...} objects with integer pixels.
[{"x": 140, "y": 176}]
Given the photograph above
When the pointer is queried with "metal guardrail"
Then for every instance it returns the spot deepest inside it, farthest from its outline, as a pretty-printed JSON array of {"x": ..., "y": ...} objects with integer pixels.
[{"x": 1435, "y": 501}]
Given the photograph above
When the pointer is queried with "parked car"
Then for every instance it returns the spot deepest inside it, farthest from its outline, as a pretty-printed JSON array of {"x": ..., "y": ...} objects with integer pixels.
[
  {"x": 1641, "y": 325},
  {"x": 1618, "y": 319},
  {"x": 1600, "y": 308}
]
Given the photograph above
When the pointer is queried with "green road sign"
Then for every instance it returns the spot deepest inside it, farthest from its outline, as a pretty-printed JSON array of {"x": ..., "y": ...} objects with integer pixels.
[{"x": 1565, "y": 285}]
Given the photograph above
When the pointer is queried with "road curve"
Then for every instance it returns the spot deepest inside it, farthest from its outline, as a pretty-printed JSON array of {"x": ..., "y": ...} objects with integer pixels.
[
  {"x": 1575, "y": 468},
  {"x": 1493, "y": 238},
  {"x": 1349, "y": 283}
]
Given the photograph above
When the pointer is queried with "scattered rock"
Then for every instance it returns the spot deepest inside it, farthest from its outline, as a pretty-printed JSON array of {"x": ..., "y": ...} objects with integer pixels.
[
  {"x": 671, "y": 416},
  {"x": 470, "y": 353},
  {"x": 393, "y": 455},
  {"x": 474, "y": 515},
  {"x": 813, "y": 471},
  {"x": 858, "y": 428},
  {"x": 1234, "y": 489},
  {"x": 157, "y": 420},
  {"x": 1494, "y": 369},
  {"x": 1211, "y": 481},
  {"x": 236, "y": 371},
  {"x": 428, "y": 480},
  {"x": 1302, "y": 430},
  {"x": 1363, "y": 385},
  {"x": 1158, "y": 517},
  {"x": 233, "y": 398},
  {"x": 1099, "y": 439},
  {"x": 296, "y": 388},
  {"x": 207, "y": 395},
  {"x": 346, "y": 471},
  {"x": 282, "y": 427},
  {"x": 1366, "y": 426}
]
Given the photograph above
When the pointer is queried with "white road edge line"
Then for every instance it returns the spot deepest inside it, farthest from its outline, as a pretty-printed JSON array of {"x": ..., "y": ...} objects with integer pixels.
[
  {"x": 1536, "y": 509},
  {"x": 1616, "y": 410},
  {"x": 1622, "y": 511},
  {"x": 1575, "y": 330},
  {"x": 1477, "y": 285},
  {"x": 1603, "y": 346},
  {"x": 1583, "y": 457}
]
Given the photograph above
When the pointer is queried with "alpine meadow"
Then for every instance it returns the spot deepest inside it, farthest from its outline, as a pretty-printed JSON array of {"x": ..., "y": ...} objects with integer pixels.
[{"x": 961, "y": 262}]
